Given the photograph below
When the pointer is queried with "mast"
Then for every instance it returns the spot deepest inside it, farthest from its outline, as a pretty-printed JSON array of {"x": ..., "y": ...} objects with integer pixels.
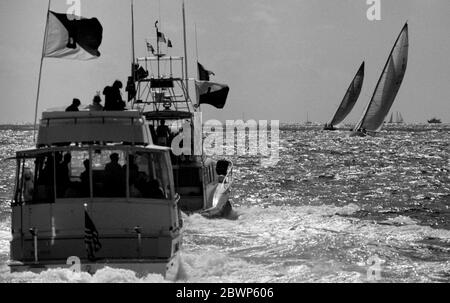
[
  {"x": 157, "y": 48},
  {"x": 40, "y": 72},
  {"x": 185, "y": 51},
  {"x": 196, "y": 49}
]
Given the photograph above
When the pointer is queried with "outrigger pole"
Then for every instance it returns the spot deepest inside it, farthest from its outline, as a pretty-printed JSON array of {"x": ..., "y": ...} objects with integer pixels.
[
  {"x": 185, "y": 51},
  {"x": 40, "y": 73},
  {"x": 133, "y": 54}
]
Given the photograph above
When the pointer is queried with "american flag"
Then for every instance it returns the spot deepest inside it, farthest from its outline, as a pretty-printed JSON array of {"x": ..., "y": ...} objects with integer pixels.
[{"x": 91, "y": 240}]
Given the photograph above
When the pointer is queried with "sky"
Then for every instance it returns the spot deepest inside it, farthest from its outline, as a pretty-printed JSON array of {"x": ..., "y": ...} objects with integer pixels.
[{"x": 282, "y": 59}]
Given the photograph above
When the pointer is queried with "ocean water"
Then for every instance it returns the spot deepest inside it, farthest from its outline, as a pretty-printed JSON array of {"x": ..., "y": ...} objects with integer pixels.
[{"x": 331, "y": 205}]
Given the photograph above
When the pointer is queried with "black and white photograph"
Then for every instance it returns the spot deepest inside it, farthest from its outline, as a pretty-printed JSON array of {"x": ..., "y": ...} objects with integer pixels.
[{"x": 237, "y": 143}]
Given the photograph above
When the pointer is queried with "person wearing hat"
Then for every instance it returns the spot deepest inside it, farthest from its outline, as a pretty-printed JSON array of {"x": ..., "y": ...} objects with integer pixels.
[
  {"x": 113, "y": 97},
  {"x": 96, "y": 106},
  {"x": 74, "y": 107}
]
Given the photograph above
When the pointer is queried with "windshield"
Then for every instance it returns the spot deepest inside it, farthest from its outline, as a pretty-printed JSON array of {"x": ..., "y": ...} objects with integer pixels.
[{"x": 111, "y": 173}]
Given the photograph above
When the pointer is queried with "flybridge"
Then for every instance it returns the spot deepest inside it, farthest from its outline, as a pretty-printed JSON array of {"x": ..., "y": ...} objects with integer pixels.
[{"x": 64, "y": 128}]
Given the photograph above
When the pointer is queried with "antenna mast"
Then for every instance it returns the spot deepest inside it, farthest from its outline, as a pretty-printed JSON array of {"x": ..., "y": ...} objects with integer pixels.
[{"x": 185, "y": 51}]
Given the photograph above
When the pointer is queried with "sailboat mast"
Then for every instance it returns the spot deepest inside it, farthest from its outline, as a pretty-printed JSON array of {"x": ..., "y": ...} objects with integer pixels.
[{"x": 185, "y": 51}]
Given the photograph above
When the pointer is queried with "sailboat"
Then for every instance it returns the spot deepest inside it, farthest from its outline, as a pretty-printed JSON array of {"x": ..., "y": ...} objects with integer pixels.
[
  {"x": 387, "y": 87},
  {"x": 307, "y": 119},
  {"x": 349, "y": 101},
  {"x": 396, "y": 119}
]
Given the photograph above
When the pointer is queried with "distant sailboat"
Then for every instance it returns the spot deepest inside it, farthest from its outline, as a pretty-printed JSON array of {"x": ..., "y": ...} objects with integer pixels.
[
  {"x": 397, "y": 119},
  {"x": 307, "y": 119},
  {"x": 349, "y": 100},
  {"x": 387, "y": 87}
]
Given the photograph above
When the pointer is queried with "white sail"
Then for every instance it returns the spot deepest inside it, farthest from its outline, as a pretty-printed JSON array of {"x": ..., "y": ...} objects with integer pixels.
[
  {"x": 350, "y": 98},
  {"x": 388, "y": 85},
  {"x": 391, "y": 120},
  {"x": 400, "y": 118}
]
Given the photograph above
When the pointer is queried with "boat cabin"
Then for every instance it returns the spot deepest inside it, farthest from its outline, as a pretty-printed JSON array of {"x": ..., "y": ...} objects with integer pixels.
[{"x": 102, "y": 165}]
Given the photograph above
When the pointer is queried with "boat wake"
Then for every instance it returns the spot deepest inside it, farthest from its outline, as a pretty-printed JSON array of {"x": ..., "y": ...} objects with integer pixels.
[{"x": 287, "y": 244}]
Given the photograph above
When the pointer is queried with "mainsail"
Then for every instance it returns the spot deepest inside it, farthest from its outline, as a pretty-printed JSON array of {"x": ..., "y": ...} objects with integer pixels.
[
  {"x": 350, "y": 98},
  {"x": 388, "y": 85}
]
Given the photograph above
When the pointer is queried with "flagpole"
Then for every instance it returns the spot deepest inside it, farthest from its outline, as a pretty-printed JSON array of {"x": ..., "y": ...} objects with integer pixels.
[
  {"x": 40, "y": 72},
  {"x": 185, "y": 51},
  {"x": 196, "y": 48},
  {"x": 198, "y": 74}
]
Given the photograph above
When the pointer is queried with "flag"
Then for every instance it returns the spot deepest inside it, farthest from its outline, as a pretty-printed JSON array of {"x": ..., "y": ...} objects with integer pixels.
[
  {"x": 91, "y": 236},
  {"x": 72, "y": 38},
  {"x": 211, "y": 93},
  {"x": 203, "y": 73},
  {"x": 150, "y": 48},
  {"x": 161, "y": 37},
  {"x": 169, "y": 43}
]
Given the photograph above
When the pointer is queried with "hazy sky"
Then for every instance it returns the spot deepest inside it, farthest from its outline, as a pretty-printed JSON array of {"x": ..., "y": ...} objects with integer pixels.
[{"x": 281, "y": 59}]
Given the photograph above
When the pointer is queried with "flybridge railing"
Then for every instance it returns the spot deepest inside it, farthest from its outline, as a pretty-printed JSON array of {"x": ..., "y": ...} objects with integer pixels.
[
  {"x": 147, "y": 62},
  {"x": 164, "y": 87}
]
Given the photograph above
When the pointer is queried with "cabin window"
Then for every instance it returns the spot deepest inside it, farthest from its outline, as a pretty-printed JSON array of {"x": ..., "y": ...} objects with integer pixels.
[
  {"x": 35, "y": 180},
  {"x": 148, "y": 176},
  {"x": 108, "y": 173},
  {"x": 72, "y": 174},
  {"x": 25, "y": 181}
]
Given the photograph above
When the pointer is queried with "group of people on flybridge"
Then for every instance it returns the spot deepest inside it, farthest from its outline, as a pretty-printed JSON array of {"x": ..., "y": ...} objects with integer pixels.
[{"x": 113, "y": 100}]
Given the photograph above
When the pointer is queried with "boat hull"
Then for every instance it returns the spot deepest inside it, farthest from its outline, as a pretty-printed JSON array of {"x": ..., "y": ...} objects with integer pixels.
[{"x": 168, "y": 268}]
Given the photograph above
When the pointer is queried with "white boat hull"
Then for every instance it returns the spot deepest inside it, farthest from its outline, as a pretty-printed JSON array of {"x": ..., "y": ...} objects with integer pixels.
[{"x": 167, "y": 268}]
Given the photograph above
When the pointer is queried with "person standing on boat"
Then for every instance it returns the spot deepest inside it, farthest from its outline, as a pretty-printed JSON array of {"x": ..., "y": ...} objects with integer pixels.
[
  {"x": 113, "y": 97},
  {"x": 74, "y": 107},
  {"x": 114, "y": 177},
  {"x": 63, "y": 175},
  {"x": 163, "y": 133},
  {"x": 96, "y": 106}
]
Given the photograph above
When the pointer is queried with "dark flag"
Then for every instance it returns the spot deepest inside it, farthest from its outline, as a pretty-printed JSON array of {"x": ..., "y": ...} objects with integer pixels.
[
  {"x": 72, "y": 38},
  {"x": 214, "y": 94},
  {"x": 203, "y": 73},
  {"x": 150, "y": 48},
  {"x": 91, "y": 239},
  {"x": 169, "y": 43},
  {"x": 161, "y": 37}
]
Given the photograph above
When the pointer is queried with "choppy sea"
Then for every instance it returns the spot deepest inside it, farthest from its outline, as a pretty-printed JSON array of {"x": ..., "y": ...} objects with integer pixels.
[{"x": 331, "y": 206}]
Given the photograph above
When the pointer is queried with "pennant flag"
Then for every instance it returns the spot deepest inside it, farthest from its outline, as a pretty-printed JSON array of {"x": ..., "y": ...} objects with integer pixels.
[
  {"x": 203, "y": 73},
  {"x": 91, "y": 236},
  {"x": 169, "y": 43},
  {"x": 211, "y": 93},
  {"x": 161, "y": 37},
  {"x": 150, "y": 48},
  {"x": 71, "y": 38}
]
